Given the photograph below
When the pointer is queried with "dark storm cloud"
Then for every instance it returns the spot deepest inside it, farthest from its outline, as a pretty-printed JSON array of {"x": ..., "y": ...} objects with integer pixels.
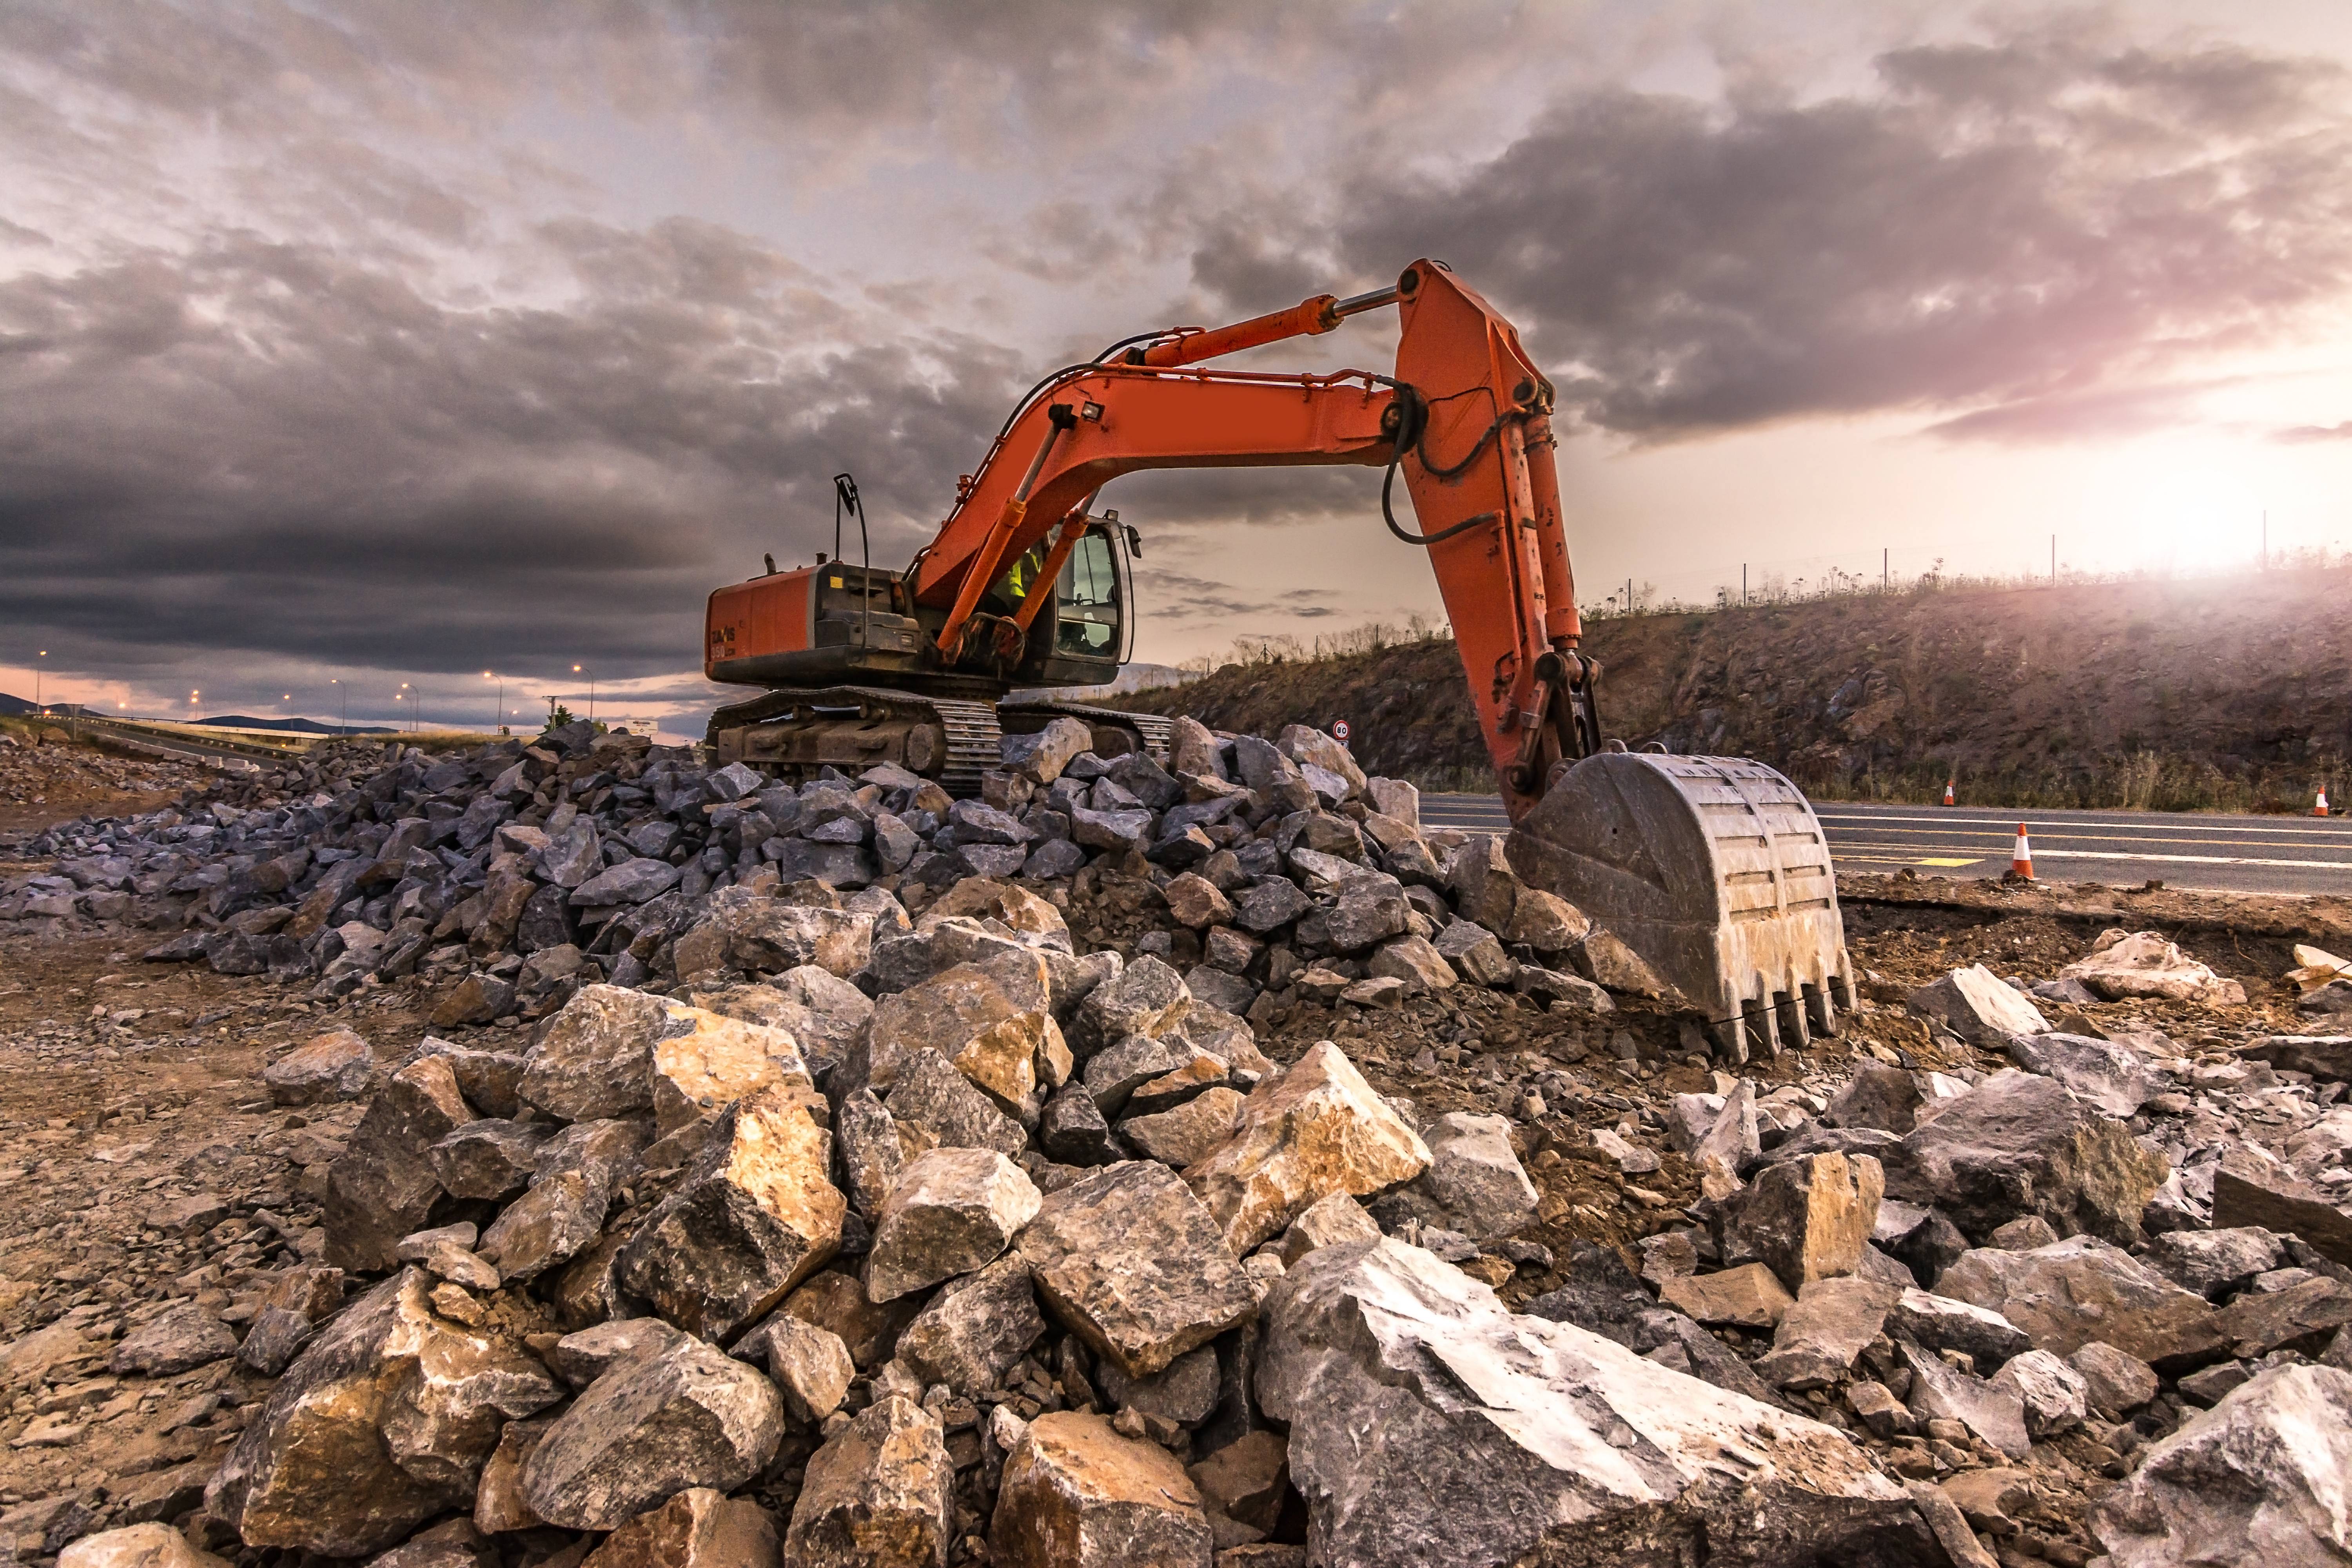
[
  {"x": 2015, "y": 224},
  {"x": 270, "y": 448}
]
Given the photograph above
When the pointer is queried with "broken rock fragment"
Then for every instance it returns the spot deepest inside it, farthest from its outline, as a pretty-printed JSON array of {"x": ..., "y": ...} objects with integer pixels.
[
  {"x": 1075, "y": 1494},
  {"x": 755, "y": 1216},
  {"x": 1807, "y": 1218},
  {"x": 952, "y": 1211},
  {"x": 339, "y": 1065},
  {"x": 594, "y": 1058},
  {"x": 973, "y": 1332},
  {"x": 2071, "y": 1292},
  {"x": 2017, "y": 1144},
  {"x": 651, "y": 1427},
  {"x": 1128, "y": 1259},
  {"x": 1978, "y": 1005},
  {"x": 877, "y": 1495},
  {"x": 383, "y": 1423},
  {"x": 2258, "y": 1478},
  {"x": 698, "y": 1528},
  {"x": 1319, "y": 1128},
  {"x": 381, "y": 1186},
  {"x": 1476, "y": 1175}
]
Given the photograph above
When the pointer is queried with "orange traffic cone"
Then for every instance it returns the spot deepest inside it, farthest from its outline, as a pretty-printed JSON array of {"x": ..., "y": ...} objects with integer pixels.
[
  {"x": 2021, "y": 860},
  {"x": 2320, "y": 809},
  {"x": 1948, "y": 799}
]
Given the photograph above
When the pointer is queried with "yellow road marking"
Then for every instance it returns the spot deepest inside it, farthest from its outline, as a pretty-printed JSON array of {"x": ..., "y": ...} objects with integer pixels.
[{"x": 1945, "y": 861}]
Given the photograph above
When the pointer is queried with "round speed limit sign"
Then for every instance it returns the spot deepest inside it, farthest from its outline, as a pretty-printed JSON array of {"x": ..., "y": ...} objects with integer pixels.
[{"x": 1339, "y": 730}]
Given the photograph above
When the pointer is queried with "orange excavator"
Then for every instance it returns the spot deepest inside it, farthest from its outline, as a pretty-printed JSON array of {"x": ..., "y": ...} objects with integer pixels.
[{"x": 1713, "y": 869}]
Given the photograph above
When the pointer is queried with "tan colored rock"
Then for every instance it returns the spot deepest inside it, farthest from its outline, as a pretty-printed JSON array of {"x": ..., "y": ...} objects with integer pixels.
[
  {"x": 838, "y": 1303},
  {"x": 1129, "y": 1260},
  {"x": 1749, "y": 1297},
  {"x": 383, "y": 1423},
  {"x": 877, "y": 1495},
  {"x": 755, "y": 1216},
  {"x": 1546, "y": 921},
  {"x": 498, "y": 1503},
  {"x": 705, "y": 1062},
  {"x": 1009, "y": 904},
  {"x": 811, "y": 1366},
  {"x": 952, "y": 1211},
  {"x": 138, "y": 1546},
  {"x": 1334, "y": 1221},
  {"x": 594, "y": 1057},
  {"x": 1808, "y": 1218},
  {"x": 1197, "y": 902},
  {"x": 698, "y": 1528},
  {"x": 1188, "y": 1133},
  {"x": 1413, "y": 960},
  {"x": 651, "y": 1427},
  {"x": 995, "y": 1016},
  {"x": 1316, "y": 1129},
  {"x": 338, "y": 1065},
  {"x": 1075, "y": 1494}
]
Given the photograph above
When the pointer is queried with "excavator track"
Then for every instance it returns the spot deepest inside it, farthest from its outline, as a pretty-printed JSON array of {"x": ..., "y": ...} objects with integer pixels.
[{"x": 952, "y": 740}]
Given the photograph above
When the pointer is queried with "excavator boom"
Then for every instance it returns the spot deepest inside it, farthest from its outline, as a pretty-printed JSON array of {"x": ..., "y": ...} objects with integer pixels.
[{"x": 1714, "y": 869}]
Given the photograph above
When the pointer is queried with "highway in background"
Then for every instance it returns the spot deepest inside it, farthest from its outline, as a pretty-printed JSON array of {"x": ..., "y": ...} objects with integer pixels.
[{"x": 2125, "y": 849}]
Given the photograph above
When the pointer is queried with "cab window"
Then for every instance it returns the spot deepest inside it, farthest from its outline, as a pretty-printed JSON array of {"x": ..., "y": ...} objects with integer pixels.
[{"x": 1090, "y": 601}]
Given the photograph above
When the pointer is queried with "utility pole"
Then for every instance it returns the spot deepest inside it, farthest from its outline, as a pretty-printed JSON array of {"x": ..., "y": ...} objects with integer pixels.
[
  {"x": 1743, "y": 583},
  {"x": 39, "y": 706},
  {"x": 1884, "y": 579},
  {"x": 1629, "y": 596},
  {"x": 2054, "y": 558}
]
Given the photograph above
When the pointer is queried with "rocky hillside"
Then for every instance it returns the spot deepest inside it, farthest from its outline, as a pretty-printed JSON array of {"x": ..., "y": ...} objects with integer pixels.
[{"x": 2234, "y": 694}]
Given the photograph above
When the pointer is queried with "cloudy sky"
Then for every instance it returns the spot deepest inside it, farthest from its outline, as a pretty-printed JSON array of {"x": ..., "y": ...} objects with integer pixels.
[{"x": 372, "y": 343}]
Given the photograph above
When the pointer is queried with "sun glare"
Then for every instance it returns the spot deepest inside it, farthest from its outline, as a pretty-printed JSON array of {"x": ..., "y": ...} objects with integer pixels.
[{"x": 2187, "y": 516}]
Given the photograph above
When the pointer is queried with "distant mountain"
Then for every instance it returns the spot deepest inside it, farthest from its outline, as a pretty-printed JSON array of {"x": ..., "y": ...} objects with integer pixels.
[{"x": 12, "y": 707}]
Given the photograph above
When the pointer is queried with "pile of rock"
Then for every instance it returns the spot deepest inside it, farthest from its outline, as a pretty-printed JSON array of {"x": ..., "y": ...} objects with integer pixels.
[
  {"x": 503, "y": 878},
  {"x": 1033, "y": 1260},
  {"x": 39, "y": 765}
]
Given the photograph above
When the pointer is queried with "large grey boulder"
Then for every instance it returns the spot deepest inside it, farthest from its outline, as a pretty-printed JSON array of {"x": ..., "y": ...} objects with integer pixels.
[
  {"x": 2071, "y": 1292},
  {"x": 654, "y": 1425},
  {"x": 383, "y": 1421},
  {"x": 2215, "y": 1262},
  {"x": 2106, "y": 1075},
  {"x": 1505, "y": 1439},
  {"x": 2258, "y": 1478},
  {"x": 572, "y": 1185},
  {"x": 594, "y": 1058},
  {"x": 974, "y": 1330},
  {"x": 2021, "y": 1144}
]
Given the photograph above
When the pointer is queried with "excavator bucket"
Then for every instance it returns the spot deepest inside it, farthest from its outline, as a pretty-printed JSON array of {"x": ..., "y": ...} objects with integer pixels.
[{"x": 1715, "y": 871}]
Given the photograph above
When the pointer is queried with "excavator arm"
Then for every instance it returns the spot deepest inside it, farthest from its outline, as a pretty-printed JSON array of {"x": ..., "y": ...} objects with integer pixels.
[{"x": 1465, "y": 421}]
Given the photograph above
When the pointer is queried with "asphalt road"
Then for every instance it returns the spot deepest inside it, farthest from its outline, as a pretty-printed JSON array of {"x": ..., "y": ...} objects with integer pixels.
[{"x": 2181, "y": 850}]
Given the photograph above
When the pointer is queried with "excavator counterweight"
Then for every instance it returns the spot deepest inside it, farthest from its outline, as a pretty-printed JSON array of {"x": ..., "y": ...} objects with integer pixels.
[{"x": 1711, "y": 868}]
